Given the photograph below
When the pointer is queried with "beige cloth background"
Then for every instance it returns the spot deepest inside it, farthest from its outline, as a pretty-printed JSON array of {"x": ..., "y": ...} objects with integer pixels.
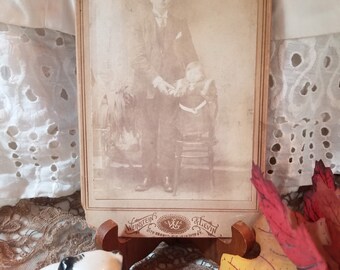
[
  {"x": 299, "y": 18},
  {"x": 53, "y": 14},
  {"x": 291, "y": 18}
]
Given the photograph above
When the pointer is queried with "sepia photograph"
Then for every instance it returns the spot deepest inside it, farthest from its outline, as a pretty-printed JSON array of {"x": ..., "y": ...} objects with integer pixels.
[{"x": 172, "y": 104}]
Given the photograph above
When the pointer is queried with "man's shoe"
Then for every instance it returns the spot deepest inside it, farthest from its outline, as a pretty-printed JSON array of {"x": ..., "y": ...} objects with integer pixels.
[
  {"x": 167, "y": 186},
  {"x": 144, "y": 186}
]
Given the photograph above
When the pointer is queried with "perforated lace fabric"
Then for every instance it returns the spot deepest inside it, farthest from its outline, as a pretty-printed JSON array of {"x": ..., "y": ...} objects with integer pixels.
[
  {"x": 37, "y": 232},
  {"x": 38, "y": 113},
  {"x": 304, "y": 109}
]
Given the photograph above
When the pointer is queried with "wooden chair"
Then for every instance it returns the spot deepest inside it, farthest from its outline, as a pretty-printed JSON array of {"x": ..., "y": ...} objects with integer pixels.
[{"x": 197, "y": 147}]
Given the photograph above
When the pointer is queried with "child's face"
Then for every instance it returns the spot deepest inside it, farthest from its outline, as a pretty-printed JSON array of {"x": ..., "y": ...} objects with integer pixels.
[{"x": 194, "y": 75}]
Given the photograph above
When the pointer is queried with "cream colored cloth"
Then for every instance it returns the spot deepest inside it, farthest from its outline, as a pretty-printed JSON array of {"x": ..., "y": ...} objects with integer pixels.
[
  {"x": 38, "y": 119},
  {"x": 305, "y": 18},
  {"x": 53, "y": 14},
  {"x": 291, "y": 18}
]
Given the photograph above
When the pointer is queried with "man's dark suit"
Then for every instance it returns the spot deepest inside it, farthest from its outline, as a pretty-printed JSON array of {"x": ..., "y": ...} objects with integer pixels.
[{"x": 164, "y": 52}]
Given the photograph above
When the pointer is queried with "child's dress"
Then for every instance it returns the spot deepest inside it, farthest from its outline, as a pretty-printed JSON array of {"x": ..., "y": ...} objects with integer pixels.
[{"x": 196, "y": 109}]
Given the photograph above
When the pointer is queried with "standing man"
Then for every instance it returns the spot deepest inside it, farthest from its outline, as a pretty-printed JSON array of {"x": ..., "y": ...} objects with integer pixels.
[{"x": 160, "y": 48}]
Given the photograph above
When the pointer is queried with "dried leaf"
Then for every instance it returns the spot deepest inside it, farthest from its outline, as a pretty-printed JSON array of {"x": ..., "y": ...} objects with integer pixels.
[
  {"x": 323, "y": 174},
  {"x": 310, "y": 208},
  {"x": 329, "y": 205},
  {"x": 271, "y": 255},
  {"x": 296, "y": 241},
  {"x": 334, "y": 248},
  {"x": 295, "y": 218}
]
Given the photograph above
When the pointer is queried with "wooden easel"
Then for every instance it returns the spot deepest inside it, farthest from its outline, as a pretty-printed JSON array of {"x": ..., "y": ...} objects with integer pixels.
[{"x": 135, "y": 249}]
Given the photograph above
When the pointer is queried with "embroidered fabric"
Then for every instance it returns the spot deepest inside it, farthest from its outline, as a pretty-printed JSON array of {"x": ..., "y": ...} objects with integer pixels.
[
  {"x": 304, "y": 109},
  {"x": 38, "y": 115},
  {"x": 41, "y": 231}
]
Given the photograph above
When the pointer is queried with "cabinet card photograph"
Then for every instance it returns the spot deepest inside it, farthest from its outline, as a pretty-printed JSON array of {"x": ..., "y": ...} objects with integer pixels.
[{"x": 172, "y": 109}]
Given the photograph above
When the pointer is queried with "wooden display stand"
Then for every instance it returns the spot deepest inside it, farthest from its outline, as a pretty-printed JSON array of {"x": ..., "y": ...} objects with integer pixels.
[{"x": 135, "y": 249}]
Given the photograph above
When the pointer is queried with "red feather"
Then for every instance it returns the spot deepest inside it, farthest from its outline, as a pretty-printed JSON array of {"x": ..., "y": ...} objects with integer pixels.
[{"x": 295, "y": 240}]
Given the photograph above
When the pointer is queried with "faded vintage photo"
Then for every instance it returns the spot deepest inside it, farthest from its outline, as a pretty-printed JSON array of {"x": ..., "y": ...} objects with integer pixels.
[{"x": 171, "y": 104}]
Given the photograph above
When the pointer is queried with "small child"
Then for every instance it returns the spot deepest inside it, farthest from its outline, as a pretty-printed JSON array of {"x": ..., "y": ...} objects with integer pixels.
[{"x": 197, "y": 102}]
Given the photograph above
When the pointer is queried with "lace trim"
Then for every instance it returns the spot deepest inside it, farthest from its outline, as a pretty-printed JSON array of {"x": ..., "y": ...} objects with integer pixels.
[
  {"x": 38, "y": 232},
  {"x": 303, "y": 122}
]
